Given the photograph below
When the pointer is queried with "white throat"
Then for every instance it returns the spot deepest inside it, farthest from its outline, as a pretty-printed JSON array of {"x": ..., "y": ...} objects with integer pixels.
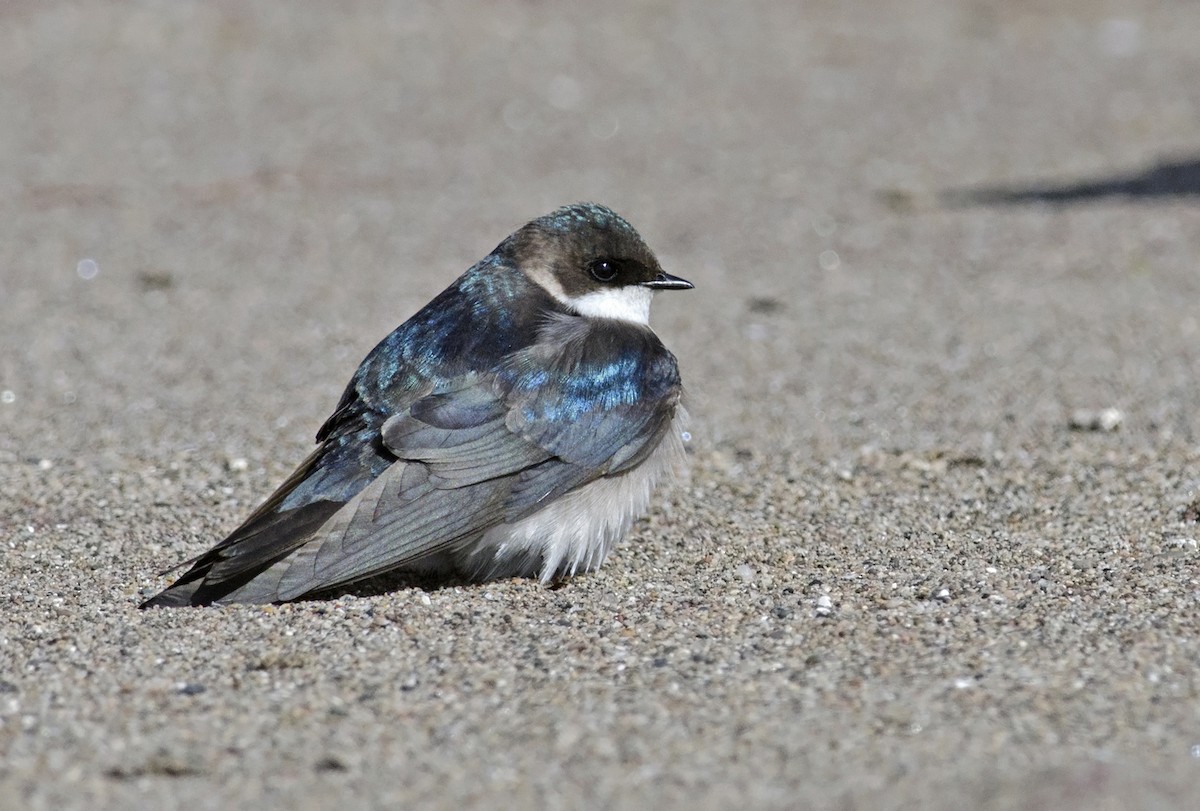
[
  {"x": 622, "y": 303},
  {"x": 630, "y": 303}
]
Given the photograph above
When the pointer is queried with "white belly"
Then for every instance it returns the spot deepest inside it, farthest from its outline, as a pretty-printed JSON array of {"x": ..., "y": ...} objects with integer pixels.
[{"x": 575, "y": 533}]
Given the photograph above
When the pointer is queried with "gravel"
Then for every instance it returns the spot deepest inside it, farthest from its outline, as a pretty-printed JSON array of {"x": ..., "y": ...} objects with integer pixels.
[{"x": 938, "y": 261}]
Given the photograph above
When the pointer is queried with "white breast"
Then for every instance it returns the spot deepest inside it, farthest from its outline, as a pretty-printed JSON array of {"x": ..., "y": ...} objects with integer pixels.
[
  {"x": 575, "y": 533},
  {"x": 629, "y": 303}
]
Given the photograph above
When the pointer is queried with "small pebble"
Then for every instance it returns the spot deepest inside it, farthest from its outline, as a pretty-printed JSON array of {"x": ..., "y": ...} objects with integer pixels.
[
  {"x": 824, "y": 605},
  {"x": 1105, "y": 419},
  {"x": 1179, "y": 547}
]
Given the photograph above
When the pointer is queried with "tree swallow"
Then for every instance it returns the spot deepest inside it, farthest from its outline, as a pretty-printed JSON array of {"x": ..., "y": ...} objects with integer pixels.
[{"x": 515, "y": 426}]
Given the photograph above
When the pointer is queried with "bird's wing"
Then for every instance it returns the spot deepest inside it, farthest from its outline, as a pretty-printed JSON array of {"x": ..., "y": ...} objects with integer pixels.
[
  {"x": 601, "y": 409},
  {"x": 492, "y": 449},
  {"x": 456, "y": 464},
  {"x": 484, "y": 450},
  {"x": 347, "y": 459}
]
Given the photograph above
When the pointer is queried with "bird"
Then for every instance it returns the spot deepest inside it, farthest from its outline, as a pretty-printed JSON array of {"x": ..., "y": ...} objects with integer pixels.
[{"x": 515, "y": 426}]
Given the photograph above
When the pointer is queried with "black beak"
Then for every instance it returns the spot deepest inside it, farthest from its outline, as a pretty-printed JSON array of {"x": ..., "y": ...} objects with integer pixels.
[{"x": 665, "y": 281}]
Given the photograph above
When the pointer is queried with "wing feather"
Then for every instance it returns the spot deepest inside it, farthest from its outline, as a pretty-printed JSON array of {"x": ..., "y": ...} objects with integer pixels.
[{"x": 455, "y": 460}]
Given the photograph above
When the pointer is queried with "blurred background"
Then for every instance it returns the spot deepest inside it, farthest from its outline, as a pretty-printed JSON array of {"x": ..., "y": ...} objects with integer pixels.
[
  {"x": 844, "y": 182},
  {"x": 941, "y": 354}
]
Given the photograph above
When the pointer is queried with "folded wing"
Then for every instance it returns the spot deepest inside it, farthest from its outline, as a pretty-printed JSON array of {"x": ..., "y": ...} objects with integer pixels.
[{"x": 485, "y": 449}]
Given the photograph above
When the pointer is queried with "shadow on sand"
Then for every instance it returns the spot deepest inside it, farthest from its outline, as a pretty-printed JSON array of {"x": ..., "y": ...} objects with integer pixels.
[{"x": 1175, "y": 178}]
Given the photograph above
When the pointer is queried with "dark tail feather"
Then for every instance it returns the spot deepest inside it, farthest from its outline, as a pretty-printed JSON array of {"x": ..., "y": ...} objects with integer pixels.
[
  {"x": 177, "y": 595},
  {"x": 244, "y": 555}
]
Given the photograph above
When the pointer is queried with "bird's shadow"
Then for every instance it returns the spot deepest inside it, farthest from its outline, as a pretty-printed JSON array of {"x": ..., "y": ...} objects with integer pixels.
[
  {"x": 387, "y": 584},
  {"x": 1166, "y": 179},
  {"x": 403, "y": 581}
]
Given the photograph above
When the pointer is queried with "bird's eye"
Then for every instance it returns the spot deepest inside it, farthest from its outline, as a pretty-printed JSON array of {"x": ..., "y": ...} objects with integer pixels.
[{"x": 603, "y": 270}]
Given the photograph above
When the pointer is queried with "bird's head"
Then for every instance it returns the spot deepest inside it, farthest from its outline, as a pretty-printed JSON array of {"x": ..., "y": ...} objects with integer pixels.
[{"x": 593, "y": 261}]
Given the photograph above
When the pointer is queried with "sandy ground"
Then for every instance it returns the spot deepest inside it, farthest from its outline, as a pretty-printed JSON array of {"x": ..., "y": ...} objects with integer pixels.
[{"x": 923, "y": 236}]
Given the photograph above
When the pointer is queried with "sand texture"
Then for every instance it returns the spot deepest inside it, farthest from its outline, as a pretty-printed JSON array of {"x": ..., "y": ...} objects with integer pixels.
[{"x": 938, "y": 548}]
